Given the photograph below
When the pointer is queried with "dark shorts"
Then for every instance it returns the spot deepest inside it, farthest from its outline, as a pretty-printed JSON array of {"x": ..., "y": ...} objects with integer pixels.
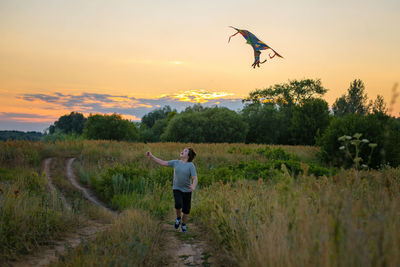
[{"x": 182, "y": 200}]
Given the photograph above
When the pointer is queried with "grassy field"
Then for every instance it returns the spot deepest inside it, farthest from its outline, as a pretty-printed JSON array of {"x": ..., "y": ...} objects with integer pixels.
[{"x": 259, "y": 205}]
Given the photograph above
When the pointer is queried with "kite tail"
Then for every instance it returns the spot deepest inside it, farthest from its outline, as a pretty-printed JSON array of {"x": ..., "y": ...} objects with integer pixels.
[
  {"x": 275, "y": 54},
  {"x": 232, "y": 36}
]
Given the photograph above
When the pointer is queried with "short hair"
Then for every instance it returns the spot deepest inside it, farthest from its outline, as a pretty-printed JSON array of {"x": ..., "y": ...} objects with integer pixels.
[{"x": 191, "y": 154}]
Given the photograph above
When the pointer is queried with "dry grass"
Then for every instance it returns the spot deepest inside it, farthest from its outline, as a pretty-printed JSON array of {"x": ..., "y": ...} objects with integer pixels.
[
  {"x": 350, "y": 219},
  {"x": 30, "y": 215},
  {"x": 132, "y": 240},
  {"x": 347, "y": 220}
]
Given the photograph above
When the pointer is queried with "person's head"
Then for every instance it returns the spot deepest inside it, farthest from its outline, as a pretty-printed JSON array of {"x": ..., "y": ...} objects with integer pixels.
[{"x": 188, "y": 153}]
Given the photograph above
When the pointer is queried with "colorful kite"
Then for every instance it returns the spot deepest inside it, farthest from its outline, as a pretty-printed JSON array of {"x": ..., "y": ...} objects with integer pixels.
[{"x": 256, "y": 44}]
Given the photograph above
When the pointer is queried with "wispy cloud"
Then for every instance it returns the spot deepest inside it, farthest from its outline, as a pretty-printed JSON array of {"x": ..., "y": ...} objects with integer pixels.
[
  {"x": 129, "y": 107},
  {"x": 24, "y": 117},
  {"x": 197, "y": 96}
]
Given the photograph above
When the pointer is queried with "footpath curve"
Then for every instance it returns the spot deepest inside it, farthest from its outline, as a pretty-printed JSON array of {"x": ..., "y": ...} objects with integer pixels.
[
  {"x": 44, "y": 255},
  {"x": 179, "y": 249},
  {"x": 87, "y": 193}
]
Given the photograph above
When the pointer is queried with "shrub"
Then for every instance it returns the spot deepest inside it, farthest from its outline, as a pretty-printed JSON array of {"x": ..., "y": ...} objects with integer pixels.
[
  {"x": 309, "y": 119},
  {"x": 377, "y": 128},
  {"x": 110, "y": 127},
  {"x": 122, "y": 179},
  {"x": 275, "y": 153},
  {"x": 212, "y": 125}
]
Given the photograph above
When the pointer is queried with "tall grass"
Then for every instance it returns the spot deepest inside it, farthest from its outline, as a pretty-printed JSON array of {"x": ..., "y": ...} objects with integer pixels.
[
  {"x": 132, "y": 240},
  {"x": 79, "y": 205},
  {"x": 340, "y": 221},
  {"x": 284, "y": 219},
  {"x": 30, "y": 215}
]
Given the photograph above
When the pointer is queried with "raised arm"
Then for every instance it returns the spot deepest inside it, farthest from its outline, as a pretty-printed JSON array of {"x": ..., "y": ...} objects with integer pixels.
[{"x": 159, "y": 161}]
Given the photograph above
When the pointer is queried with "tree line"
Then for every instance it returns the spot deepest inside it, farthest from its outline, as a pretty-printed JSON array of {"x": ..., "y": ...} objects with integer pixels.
[
  {"x": 291, "y": 113},
  {"x": 19, "y": 135}
]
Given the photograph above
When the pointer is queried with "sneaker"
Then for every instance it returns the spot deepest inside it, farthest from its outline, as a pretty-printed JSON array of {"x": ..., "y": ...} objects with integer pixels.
[
  {"x": 177, "y": 223},
  {"x": 184, "y": 228}
]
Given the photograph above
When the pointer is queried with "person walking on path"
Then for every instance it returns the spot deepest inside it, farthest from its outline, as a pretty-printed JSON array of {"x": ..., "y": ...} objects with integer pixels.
[{"x": 183, "y": 187}]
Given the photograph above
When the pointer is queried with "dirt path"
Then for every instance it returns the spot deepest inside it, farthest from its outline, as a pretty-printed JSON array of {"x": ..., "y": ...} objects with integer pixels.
[
  {"x": 47, "y": 254},
  {"x": 52, "y": 188},
  {"x": 179, "y": 249},
  {"x": 44, "y": 255},
  {"x": 88, "y": 194},
  {"x": 186, "y": 249}
]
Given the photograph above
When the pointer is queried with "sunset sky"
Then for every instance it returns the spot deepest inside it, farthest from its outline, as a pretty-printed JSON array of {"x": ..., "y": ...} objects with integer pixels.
[{"x": 131, "y": 57}]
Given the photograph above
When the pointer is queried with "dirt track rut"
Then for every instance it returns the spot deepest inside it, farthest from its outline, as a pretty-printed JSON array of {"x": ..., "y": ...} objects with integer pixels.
[
  {"x": 44, "y": 255},
  {"x": 179, "y": 249}
]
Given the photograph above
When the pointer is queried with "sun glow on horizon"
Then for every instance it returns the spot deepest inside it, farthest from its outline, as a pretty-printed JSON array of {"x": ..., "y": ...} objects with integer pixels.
[{"x": 197, "y": 96}]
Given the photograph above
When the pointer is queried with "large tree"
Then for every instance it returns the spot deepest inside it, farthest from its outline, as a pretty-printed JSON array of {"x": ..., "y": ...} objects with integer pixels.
[
  {"x": 72, "y": 123},
  {"x": 286, "y": 96},
  {"x": 309, "y": 119},
  {"x": 211, "y": 125},
  {"x": 161, "y": 113},
  {"x": 110, "y": 127},
  {"x": 354, "y": 102},
  {"x": 379, "y": 105},
  {"x": 264, "y": 121},
  {"x": 154, "y": 123},
  {"x": 289, "y": 94}
]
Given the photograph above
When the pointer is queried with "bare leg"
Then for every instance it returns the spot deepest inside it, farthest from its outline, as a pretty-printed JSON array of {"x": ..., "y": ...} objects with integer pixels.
[
  {"x": 184, "y": 219},
  {"x": 178, "y": 213}
]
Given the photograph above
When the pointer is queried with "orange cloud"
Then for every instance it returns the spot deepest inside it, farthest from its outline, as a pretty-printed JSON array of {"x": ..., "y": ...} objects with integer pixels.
[
  {"x": 198, "y": 96},
  {"x": 131, "y": 117}
]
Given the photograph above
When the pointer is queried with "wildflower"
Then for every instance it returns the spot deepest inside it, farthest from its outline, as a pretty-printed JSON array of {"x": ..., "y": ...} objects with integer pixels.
[
  {"x": 348, "y": 137},
  {"x": 365, "y": 140},
  {"x": 364, "y": 166},
  {"x": 342, "y": 147},
  {"x": 357, "y": 135},
  {"x": 355, "y": 142},
  {"x": 372, "y": 145}
]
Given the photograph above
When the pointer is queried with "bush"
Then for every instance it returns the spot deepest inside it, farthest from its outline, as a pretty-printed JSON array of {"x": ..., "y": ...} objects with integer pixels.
[
  {"x": 377, "y": 128},
  {"x": 320, "y": 171},
  {"x": 122, "y": 180},
  {"x": 276, "y": 157},
  {"x": 261, "y": 119},
  {"x": 110, "y": 127},
  {"x": 211, "y": 125},
  {"x": 309, "y": 119},
  {"x": 277, "y": 153}
]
